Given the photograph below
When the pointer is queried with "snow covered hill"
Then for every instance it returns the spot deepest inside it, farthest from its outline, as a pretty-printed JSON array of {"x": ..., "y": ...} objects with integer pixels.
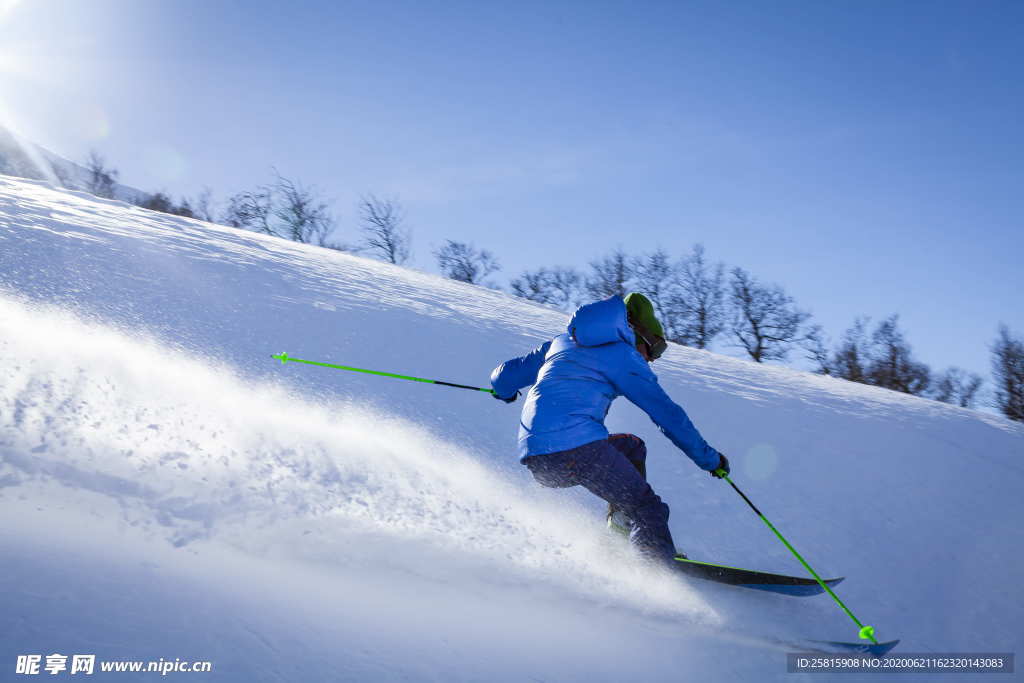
[
  {"x": 167, "y": 490},
  {"x": 19, "y": 157}
]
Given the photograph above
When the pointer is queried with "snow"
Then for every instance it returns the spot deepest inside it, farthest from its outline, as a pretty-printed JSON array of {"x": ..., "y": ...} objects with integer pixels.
[
  {"x": 169, "y": 490},
  {"x": 25, "y": 159}
]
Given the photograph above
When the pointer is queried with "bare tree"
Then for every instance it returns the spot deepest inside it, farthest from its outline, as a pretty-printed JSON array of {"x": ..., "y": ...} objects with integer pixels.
[
  {"x": 158, "y": 201},
  {"x": 534, "y": 285},
  {"x": 1008, "y": 374},
  {"x": 283, "y": 209},
  {"x": 852, "y": 357},
  {"x": 203, "y": 206},
  {"x": 958, "y": 387},
  {"x": 653, "y": 276},
  {"x": 101, "y": 180},
  {"x": 464, "y": 262},
  {"x": 815, "y": 345},
  {"x": 184, "y": 208},
  {"x": 162, "y": 202},
  {"x": 891, "y": 364},
  {"x": 610, "y": 276},
  {"x": 697, "y": 301},
  {"x": 766, "y": 323},
  {"x": 383, "y": 232},
  {"x": 884, "y": 359},
  {"x": 558, "y": 286},
  {"x": 567, "y": 287},
  {"x": 302, "y": 215},
  {"x": 250, "y": 210}
]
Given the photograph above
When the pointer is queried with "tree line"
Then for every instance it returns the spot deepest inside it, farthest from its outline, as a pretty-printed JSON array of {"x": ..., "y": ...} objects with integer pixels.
[
  {"x": 698, "y": 302},
  {"x": 281, "y": 207}
]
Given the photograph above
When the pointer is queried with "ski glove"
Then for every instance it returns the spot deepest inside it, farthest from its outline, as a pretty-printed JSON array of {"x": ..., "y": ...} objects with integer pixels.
[
  {"x": 723, "y": 464},
  {"x": 510, "y": 399}
]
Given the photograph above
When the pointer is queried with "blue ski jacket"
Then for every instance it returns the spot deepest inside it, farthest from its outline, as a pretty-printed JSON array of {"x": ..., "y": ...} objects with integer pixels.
[{"x": 576, "y": 376}]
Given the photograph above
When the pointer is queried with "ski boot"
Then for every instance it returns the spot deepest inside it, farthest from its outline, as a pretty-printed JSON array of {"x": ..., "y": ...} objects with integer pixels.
[{"x": 619, "y": 522}]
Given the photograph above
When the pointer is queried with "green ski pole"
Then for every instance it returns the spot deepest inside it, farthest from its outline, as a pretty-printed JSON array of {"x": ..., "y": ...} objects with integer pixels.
[
  {"x": 285, "y": 358},
  {"x": 866, "y": 632}
]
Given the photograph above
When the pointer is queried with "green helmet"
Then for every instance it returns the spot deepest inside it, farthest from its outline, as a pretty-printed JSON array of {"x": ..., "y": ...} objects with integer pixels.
[{"x": 640, "y": 313}]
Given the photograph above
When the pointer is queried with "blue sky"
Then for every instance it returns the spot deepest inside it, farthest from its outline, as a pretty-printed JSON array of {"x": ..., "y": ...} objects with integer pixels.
[{"x": 866, "y": 155}]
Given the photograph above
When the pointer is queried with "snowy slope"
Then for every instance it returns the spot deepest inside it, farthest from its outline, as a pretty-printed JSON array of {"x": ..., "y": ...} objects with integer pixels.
[
  {"x": 168, "y": 490},
  {"x": 19, "y": 157}
]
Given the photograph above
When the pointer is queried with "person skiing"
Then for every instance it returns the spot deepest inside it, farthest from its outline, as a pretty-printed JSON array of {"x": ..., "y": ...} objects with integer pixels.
[{"x": 605, "y": 353}]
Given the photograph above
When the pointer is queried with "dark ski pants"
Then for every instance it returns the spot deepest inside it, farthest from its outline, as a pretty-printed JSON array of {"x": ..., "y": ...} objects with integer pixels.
[{"x": 612, "y": 470}]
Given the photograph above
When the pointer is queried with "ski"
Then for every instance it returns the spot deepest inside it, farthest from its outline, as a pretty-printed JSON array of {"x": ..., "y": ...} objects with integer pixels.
[
  {"x": 749, "y": 578},
  {"x": 865, "y": 649}
]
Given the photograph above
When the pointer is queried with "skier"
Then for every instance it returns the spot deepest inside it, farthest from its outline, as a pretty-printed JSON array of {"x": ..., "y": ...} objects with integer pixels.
[{"x": 562, "y": 438}]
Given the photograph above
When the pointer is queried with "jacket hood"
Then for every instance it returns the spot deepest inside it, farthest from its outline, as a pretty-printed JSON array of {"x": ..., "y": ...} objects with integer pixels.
[{"x": 601, "y": 322}]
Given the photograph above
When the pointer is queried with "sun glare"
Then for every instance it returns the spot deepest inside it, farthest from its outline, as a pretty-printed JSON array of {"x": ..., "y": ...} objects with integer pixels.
[
  {"x": 43, "y": 79},
  {"x": 6, "y": 6},
  {"x": 20, "y": 64}
]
